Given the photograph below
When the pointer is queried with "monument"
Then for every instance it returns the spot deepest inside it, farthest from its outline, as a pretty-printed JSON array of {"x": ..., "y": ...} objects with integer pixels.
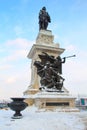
[{"x": 46, "y": 89}]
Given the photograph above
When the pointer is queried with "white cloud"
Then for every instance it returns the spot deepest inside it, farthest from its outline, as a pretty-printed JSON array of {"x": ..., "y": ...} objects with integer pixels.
[
  {"x": 15, "y": 55},
  {"x": 70, "y": 47},
  {"x": 16, "y": 50},
  {"x": 20, "y": 42},
  {"x": 10, "y": 80},
  {"x": 14, "y": 68},
  {"x": 15, "y": 82},
  {"x": 5, "y": 66}
]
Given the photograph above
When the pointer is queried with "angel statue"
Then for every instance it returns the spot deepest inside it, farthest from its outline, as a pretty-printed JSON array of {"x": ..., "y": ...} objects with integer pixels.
[{"x": 50, "y": 70}]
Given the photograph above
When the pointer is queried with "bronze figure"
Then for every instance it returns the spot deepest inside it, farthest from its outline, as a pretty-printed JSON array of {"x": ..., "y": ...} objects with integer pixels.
[
  {"x": 50, "y": 70},
  {"x": 44, "y": 19}
]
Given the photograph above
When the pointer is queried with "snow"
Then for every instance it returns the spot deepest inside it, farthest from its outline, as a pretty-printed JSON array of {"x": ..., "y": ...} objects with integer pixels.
[
  {"x": 49, "y": 95},
  {"x": 34, "y": 119}
]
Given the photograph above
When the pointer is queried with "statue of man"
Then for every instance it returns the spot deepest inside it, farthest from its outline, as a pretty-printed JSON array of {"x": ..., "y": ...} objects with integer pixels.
[
  {"x": 44, "y": 19},
  {"x": 57, "y": 65}
]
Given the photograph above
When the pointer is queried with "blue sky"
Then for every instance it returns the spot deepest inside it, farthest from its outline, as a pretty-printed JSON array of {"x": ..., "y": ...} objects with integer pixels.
[{"x": 18, "y": 31}]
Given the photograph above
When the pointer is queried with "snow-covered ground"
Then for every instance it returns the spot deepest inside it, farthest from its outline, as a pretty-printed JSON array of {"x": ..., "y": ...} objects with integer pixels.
[{"x": 33, "y": 119}]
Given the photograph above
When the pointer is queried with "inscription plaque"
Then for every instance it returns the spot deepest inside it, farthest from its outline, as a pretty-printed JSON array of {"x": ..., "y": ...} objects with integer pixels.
[{"x": 57, "y": 103}]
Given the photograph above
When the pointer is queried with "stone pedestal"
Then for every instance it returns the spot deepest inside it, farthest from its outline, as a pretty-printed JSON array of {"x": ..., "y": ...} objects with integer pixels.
[
  {"x": 55, "y": 101},
  {"x": 45, "y": 43},
  {"x": 45, "y": 37}
]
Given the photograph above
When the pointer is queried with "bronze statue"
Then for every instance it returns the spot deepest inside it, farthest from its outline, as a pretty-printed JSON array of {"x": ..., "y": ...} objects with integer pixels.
[
  {"x": 44, "y": 19},
  {"x": 55, "y": 63},
  {"x": 49, "y": 71},
  {"x": 51, "y": 79},
  {"x": 58, "y": 64}
]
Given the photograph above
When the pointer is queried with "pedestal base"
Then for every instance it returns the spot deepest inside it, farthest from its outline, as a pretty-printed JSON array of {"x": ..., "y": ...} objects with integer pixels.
[{"x": 53, "y": 101}]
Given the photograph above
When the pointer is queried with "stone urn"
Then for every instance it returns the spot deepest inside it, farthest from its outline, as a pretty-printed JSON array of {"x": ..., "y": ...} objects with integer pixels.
[{"x": 17, "y": 105}]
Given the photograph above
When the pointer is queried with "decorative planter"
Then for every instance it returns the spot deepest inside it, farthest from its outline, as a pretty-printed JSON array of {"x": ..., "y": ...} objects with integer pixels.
[{"x": 17, "y": 105}]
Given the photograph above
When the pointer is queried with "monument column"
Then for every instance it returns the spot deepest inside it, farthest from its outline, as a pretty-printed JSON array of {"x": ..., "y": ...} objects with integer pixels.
[
  {"x": 44, "y": 43},
  {"x": 41, "y": 97}
]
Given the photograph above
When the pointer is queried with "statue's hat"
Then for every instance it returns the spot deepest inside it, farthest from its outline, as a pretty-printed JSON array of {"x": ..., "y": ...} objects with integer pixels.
[{"x": 44, "y": 8}]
